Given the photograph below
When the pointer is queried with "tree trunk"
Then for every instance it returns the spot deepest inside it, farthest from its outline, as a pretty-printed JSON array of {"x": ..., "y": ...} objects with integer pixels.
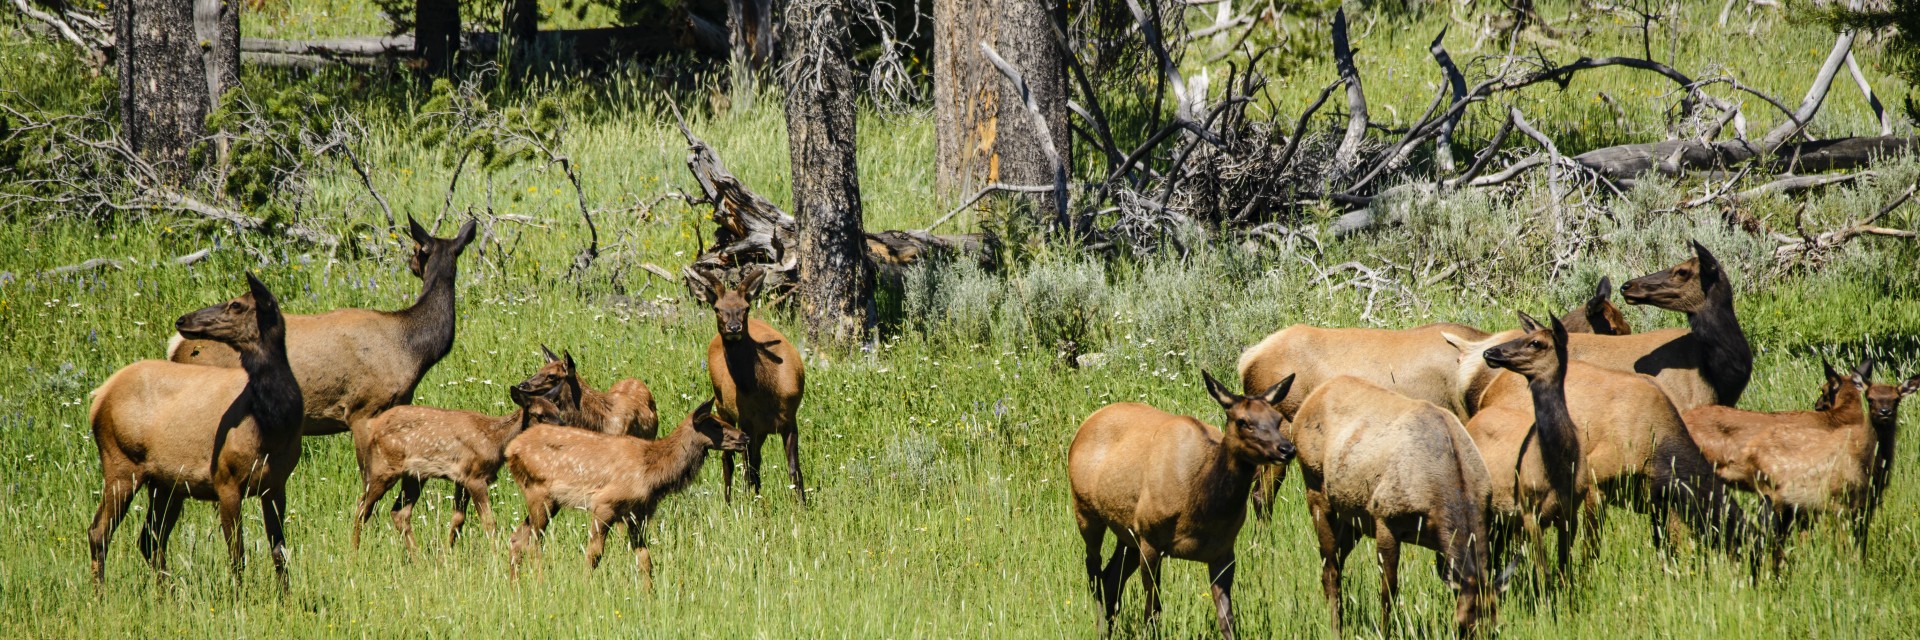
[
  {"x": 984, "y": 134},
  {"x": 519, "y": 25},
  {"x": 436, "y": 34},
  {"x": 750, "y": 32},
  {"x": 216, "y": 28},
  {"x": 163, "y": 80},
  {"x": 836, "y": 278}
]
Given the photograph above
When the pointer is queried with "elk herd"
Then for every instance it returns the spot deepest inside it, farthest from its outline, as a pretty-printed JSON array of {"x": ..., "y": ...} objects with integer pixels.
[{"x": 1469, "y": 443}]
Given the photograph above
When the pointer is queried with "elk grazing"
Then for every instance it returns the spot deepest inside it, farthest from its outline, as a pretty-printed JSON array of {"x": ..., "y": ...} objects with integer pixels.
[
  {"x": 1708, "y": 363},
  {"x": 757, "y": 380},
  {"x": 1835, "y": 459},
  {"x": 1634, "y": 448},
  {"x": 615, "y": 478},
  {"x": 206, "y": 433},
  {"x": 1380, "y": 464},
  {"x": 626, "y": 407},
  {"x": 411, "y": 444},
  {"x": 1171, "y": 486},
  {"x": 1598, "y": 315},
  {"x": 1527, "y": 438},
  {"x": 355, "y": 363}
]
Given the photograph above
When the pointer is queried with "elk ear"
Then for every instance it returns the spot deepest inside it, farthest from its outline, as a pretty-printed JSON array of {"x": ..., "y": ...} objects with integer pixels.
[
  {"x": 419, "y": 233},
  {"x": 1219, "y": 391},
  {"x": 1274, "y": 394},
  {"x": 1911, "y": 386},
  {"x": 551, "y": 357},
  {"x": 568, "y": 355},
  {"x": 1559, "y": 334},
  {"x": 1528, "y": 324},
  {"x": 750, "y": 284},
  {"x": 703, "y": 412},
  {"x": 264, "y": 304},
  {"x": 1831, "y": 374},
  {"x": 1709, "y": 266},
  {"x": 464, "y": 236},
  {"x": 1460, "y": 344},
  {"x": 519, "y": 397},
  {"x": 1602, "y": 292},
  {"x": 1865, "y": 372}
]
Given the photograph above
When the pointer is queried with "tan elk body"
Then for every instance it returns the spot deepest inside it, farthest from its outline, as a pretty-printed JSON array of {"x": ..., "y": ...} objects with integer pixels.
[
  {"x": 626, "y": 407},
  {"x": 411, "y": 444},
  {"x": 1168, "y": 485},
  {"x": 758, "y": 381},
  {"x": 183, "y": 431}
]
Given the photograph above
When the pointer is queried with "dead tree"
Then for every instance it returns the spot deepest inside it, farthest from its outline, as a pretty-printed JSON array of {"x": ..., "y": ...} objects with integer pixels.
[
  {"x": 168, "y": 81},
  {"x": 984, "y": 133},
  {"x": 751, "y": 32},
  {"x": 836, "y": 278}
]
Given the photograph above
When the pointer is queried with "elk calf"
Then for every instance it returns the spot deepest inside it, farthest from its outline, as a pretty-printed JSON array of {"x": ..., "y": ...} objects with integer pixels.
[
  {"x": 411, "y": 444},
  {"x": 614, "y": 478},
  {"x": 757, "y": 380},
  {"x": 1598, "y": 315},
  {"x": 1171, "y": 486},
  {"x": 1377, "y": 463},
  {"x": 184, "y": 431},
  {"x": 1803, "y": 462},
  {"x": 626, "y": 407}
]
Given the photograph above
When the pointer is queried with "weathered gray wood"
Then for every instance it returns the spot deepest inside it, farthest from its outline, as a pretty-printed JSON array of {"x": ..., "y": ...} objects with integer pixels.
[{"x": 163, "y": 82}]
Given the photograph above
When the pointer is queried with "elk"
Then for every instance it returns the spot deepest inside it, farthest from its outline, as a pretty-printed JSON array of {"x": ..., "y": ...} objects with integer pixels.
[
  {"x": 1835, "y": 459},
  {"x": 1635, "y": 449},
  {"x": 355, "y": 363},
  {"x": 757, "y": 377},
  {"x": 1171, "y": 486},
  {"x": 626, "y": 407},
  {"x": 1598, "y": 315},
  {"x": 1377, "y": 463},
  {"x": 411, "y": 444},
  {"x": 1708, "y": 363},
  {"x": 182, "y": 431},
  {"x": 615, "y": 478},
  {"x": 1527, "y": 438}
]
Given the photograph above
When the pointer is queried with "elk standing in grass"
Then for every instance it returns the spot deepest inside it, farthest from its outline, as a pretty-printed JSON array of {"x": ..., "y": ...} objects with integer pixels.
[
  {"x": 355, "y": 363},
  {"x": 206, "y": 433},
  {"x": 1708, "y": 363},
  {"x": 758, "y": 380},
  {"x": 1380, "y": 464},
  {"x": 411, "y": 444},
  {"x": 614, "y": 478},
  {"x": 1171, "y": 486},
  {"x": 1527, "y": 438},
  {"x": 626, "y": 407},
  {"x": 1802, "y": 462}
]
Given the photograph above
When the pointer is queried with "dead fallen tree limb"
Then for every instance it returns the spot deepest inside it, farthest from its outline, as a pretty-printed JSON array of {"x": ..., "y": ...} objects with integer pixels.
[
  {"x": 1348, "y": 153},
  {"x": 1812, "y": 250},
  {"x": 752, "y": 230}
]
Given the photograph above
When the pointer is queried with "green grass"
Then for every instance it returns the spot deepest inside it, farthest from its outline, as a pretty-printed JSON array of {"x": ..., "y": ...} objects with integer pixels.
[{"x": 938, "y": 460}]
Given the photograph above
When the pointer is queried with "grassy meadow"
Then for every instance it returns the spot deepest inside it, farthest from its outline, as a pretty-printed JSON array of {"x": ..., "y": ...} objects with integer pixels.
[{"x": 937, "y": 460}]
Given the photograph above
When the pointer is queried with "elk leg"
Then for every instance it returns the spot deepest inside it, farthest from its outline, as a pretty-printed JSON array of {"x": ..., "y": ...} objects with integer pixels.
[
  {"x": 229, "y": 498},
  {"x": 1335, "y": 543},
  {"x": 1569, "y": 530},
  {"x": 539, "y": 513},
  {"x": 1150, "y": 581},
  {"x": 1222, "y": 572},
  {"x": 792, "y": 437},
  {"x": 115, "y": 497},
  {"x": 1388, "y": 547},
  {"x": 377, "y": 488},
  {"x": 1094, "y": 536},
  {"x": 459, "y": 518},
  {"x": 597, "y": 536},
  {"x": 163, "y": 511},
  {"x": 642, "y": 559},
  {"x": 403, "y": 510},
  {"x": 273, "y": 512},
  {"x": 726, "y": 475},
  {"x": 753, "y": 464},
  {"x": 1592, "y": 519},
  {"x": 477, "y": 489},
  {"x": 1126, "y": 560}
]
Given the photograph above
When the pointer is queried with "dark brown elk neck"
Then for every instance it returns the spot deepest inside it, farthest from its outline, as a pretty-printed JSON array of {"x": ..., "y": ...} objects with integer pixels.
[
  {"x": 273, "y": 395},
  {"x": 746, "y": 356},
  {"x": 1726, "y": 358},
  {"x": 1885, "y": 438},
  {"x": 430, "y": 321},
  {"x": 1225, "y": 482},
  {"x": 674, "y": 461},
  {"x": 1553, "y": 429}
]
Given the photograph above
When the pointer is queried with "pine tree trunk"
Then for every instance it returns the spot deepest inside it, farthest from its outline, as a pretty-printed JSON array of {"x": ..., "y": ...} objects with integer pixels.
[
  {"x": 836, "y": 278},
  {"x": 436, "y": 34},
  {"x": 750, "y": 32},
  {"x": 983, "y": 133},
  {"x": 216, "y": 26},
  {"x": 163, "y": 81}
]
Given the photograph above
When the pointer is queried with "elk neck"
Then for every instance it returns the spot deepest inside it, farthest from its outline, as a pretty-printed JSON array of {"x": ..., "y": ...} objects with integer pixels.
[
  {"x": 1727, "y": 361},
  {"x": 1225, "y": 481},
  {"x": 430, "y": 321},
  {"x": 273, "y": 395},
  {"x": 674, "y": 461},
  {"x": 1553, "y": 428}
]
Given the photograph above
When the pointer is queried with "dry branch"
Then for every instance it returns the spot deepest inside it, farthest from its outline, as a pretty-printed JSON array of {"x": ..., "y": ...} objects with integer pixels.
[
  {"x": 1812, "y": 250},
  {"x": 752, "y": 230},
  {"x": 1348, "y": 153}
]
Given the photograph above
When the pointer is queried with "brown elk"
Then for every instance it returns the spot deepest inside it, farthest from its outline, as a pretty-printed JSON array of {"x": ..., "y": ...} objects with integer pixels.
[
  {"x": 758, "y": 380},
  {"x": 411, "y": 444},
  {"x": 626, "y": 407},
  {"x": 1836, "y": 459},
  {"x": 215, "y": 434},
  {"x": 1170, "y": 486},
  {"x": 1598, "y": 315},
  {"x": 1708, "y": 363},
  {"x": 1635, "y": 448},
  {"x": 1527, "y": 438},
  {"x": 1380, "y": 464},
  {"x": 614, "y": 478},
  {"x": 354, "y": 363}
]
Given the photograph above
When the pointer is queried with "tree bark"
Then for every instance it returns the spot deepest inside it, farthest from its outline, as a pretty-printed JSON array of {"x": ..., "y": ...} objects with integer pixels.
[
  {"x": 164, "y": 81},
  {"x": 216, "y": 28},
  {"x": 750, "y": 32},
  {"x": 836, "y": 278},
  {"x": 436, "y": 34},
  {"x": 983, "y": 133}
]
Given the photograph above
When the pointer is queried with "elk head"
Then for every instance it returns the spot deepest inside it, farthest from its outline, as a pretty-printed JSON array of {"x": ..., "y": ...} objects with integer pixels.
[
  {"x": 1252, "y": 430},
  {"x": 1683, "y": 287},
  {"x": 538, "y": 410},
  {"x": 556, "y": 378},
  {"x": 732, "y": 304},
  {"x": 430, "y": 252},
  {"x": 1830, "y": 390},
  {"x": 1883, "y": 400},
  {"x": 1540, "y": 351},
  {"x": 1602, "y": 317},
  {"x": 718, "y": 433},
  {"x": 250, "y": 319}
]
